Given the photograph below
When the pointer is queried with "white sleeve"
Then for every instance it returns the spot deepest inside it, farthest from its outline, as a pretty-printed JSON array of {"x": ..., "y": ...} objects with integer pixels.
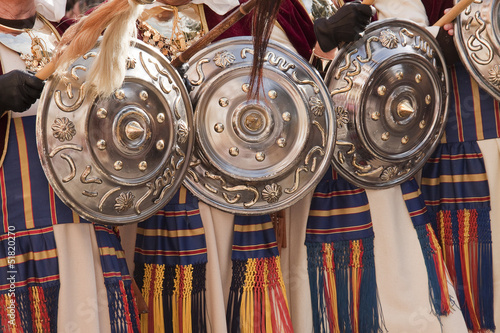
[
  {"x": 404, "y": 9},
  {"x": 412, "y": 10}
]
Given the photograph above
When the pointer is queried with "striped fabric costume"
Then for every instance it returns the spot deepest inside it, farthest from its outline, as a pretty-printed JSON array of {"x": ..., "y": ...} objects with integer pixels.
[
  {"x": 171, "y": 255},
  {"x": 341, "y": 277},
  {"x": 170, "y": 260},
  {"x": 455, "y": 185},
  {"x": 257, "y": 298},
  {"x": 29, "y": 251},
  {"x": 341, "y": 264},
  {"x": 460, "y": 192}
]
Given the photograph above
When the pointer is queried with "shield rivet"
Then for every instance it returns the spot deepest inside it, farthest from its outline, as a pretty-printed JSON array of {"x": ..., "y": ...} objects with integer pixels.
[
  {"x": 102, "y": 113},
  {"x": 160, "y": 144},
  {"x": 281, "y": 142},
  {"x": 118, "y": 165},
  {"x": 160, "y": 117},
  {"x": 234, "y": 151},
  {"x": 422, "y": 124},
  {"x": 381, "y": 90},
  {"x": 223, "y": 102},
  {"x": 219, "y": 127},
  {"x": 286, "y": 116},
  {"x": 399, "y": 75},
  {"x": 120, "y": 94},
  {"x": 260, "y": 156},
  {"x": 376, "y": 115},
  {"x": 272, "y": 94},
  {"x": 428, "y": 99},
  {"x": 405, "y": 139},
  {"x": 405, "y": 109},
  {"x": 245, "y": 87},
  {"x": 143, "y": 165},
  {"x": 143, "y": 95},
  {"x": 385, "y": 136},
  {"x": 133, "y": 130},
  {"x": 418, "y": 78},
  {"x": 101, "y": 144},
  {"x": 254, "y": 121}
]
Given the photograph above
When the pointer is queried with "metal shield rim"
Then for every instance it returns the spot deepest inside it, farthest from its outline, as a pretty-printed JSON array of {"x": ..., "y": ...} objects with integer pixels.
[
  {"x": 323, "y": 165},
  {"x": 474, "y": 69},
  {"x": 104, "y": 218},
  {"x": 360, "y": 181}
]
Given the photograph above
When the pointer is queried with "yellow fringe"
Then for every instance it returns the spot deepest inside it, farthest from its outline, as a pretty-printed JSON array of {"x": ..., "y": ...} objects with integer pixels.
[
  {"x": 267, "y": 301},
  {"x": 181, "y": 299},
  {"x": 157, "y": 311},
  {"x": 159, "y": 326},
  {"x": 175, "y": 299},
  {"x": 186, "y": 299},
  {"x": 247, "y": 310},
  {"x": 331, "y": 284},
  {"x": 36, "y": 306},
  {"x": 356, "y": 266},
  {"x": 145, "y": 293},
  {"x": 442, "y": 233},
  {"x": 247, "y": 301},
  {"x": 442, "y": 273},
  {"x": 467, "y": 275}
]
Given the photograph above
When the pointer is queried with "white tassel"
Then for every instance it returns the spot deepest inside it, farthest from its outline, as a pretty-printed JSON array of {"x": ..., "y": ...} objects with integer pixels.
[{"x": 107, "y": 72}]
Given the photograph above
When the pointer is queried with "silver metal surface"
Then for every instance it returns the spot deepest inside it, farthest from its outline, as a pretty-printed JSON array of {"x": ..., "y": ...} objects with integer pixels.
[
  {"x": 390, "y": 94},
  {"x": 117, "y": 160},
  {"x": 257, "y": 156},
  {"x": 477, "y": 38}
]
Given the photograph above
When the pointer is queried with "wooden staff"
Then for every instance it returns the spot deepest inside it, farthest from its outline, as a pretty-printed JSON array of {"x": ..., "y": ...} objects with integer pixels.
[
  {"x": 210, "y": 36},
  {"x": 454, "y": 12}
]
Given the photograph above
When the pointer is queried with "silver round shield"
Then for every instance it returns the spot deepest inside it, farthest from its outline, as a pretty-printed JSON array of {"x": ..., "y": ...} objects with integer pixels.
[
  {"x": 257, "y": 156},
  {"x": 477, "y": 38},
  {"x": 116, "y": 160},
  {"x": 390, "y": 95}
]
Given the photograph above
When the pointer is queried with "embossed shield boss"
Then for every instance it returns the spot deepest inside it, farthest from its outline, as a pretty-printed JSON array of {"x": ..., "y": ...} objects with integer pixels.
[
  {"x": 117, "y": 160},
  {"x": 477, "y": 38},
  {"x": 390, "y": 95},
  {"x": 257, "y": 156}
]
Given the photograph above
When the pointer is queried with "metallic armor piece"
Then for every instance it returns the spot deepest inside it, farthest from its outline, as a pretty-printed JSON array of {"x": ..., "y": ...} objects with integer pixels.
[
  {"x": 390, "y": 94},
  {"x": 117, "y": 160},
  {"x": 477, "y": 38},
  {"x": 253, "y": 157}
]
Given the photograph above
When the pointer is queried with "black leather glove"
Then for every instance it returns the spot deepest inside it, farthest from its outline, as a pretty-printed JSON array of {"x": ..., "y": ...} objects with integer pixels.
[
  {"x": 19, "y": 90},
  {"x": 346, "y": 25}
]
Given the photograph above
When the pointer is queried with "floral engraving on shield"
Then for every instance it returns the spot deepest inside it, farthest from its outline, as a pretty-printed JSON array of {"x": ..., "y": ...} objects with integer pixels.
[
  {"x": 182, "y": 132},
  {"x": 271, "y": 193},
  {"x": 317, "y": 106},
  {"x": 388, "y": 39},
  {"x": 124, "y": 202},
  {"x": 494, "y": 76},
  {"x": 130, "y": 63},
  {"x": 224, "y": 59},
  {"x": 63, "y": 129},
  {"x": 342, "y": 116},
  {"x": 389, "y": 173}
]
